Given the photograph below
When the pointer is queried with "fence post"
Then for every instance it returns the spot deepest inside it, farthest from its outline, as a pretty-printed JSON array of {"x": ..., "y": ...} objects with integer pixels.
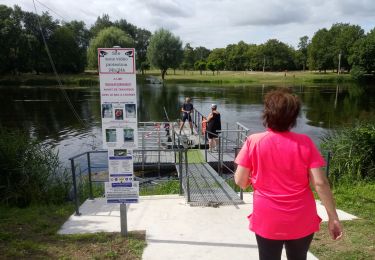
[
  {"x": 76, "y": 202},
  {"x": 219, "y": 156},
  {"x": 159, "y": 141},
  {"x": 91, "y": 197},
  {"x": 180, "y": 169},
  {"x": 205, "y": 145},
  {"x": 187, "y": 176}
]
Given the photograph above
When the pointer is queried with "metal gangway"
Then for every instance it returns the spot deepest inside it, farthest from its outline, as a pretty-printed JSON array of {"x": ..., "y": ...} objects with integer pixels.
[
  {"x": 209, "y": 182},
  {"x": 206, "y": 182}
]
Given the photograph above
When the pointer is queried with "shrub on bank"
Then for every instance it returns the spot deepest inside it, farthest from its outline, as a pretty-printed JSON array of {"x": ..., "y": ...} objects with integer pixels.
[
  {"x": 353, "y": 153},
  {"x": 30, "y": 173}
]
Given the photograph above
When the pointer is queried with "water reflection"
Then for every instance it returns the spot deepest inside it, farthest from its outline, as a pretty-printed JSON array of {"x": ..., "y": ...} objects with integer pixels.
[{"x": 45, "y": 113}]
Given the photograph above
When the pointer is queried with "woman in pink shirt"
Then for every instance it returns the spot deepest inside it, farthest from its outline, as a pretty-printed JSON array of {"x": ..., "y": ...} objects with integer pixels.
[{"x": 280, "y": 165}]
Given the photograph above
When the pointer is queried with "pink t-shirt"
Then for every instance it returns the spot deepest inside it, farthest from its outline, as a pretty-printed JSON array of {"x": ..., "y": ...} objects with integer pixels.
[{"x": 283, "y": 203}]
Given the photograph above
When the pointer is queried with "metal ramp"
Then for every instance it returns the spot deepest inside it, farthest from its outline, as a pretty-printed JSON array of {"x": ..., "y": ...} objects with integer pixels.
[{"x": 203, "y": 186}]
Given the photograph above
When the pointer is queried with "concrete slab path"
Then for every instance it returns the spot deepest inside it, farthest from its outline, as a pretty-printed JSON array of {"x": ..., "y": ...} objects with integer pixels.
[{"x": 174, "y": 230}]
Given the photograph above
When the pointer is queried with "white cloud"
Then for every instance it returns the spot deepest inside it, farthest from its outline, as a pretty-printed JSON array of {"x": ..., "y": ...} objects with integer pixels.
[{"x": 216, "y": 23}]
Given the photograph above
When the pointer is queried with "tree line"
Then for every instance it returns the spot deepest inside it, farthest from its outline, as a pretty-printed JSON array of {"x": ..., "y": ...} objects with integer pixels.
[{"x": 73, "y": 47}]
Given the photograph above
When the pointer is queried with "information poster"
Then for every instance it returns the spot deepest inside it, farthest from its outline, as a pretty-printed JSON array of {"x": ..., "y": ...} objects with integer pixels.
[
  {"x": 120, "y": 165},
  {"x": 122, "y": 192},
  {"x": 118, "y": 95}
]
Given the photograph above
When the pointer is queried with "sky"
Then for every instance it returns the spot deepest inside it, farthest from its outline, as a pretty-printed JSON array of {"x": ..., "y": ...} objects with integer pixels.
[{"x": 217, "y": 23}]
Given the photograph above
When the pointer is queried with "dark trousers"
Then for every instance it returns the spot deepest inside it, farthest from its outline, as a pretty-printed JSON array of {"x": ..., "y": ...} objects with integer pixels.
[{"x": 296, "y": 249}]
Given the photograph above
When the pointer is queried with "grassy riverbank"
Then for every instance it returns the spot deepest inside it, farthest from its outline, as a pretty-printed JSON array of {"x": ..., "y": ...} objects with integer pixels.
[
  {"x": 30, "y": 233},
  {"x": 90, "y": 78}
]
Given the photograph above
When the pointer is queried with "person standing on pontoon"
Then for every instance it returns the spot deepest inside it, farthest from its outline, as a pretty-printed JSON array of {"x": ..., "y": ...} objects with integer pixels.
[
  {"x": 213, "y": 126},
  {"x": 187, "y": 109}
]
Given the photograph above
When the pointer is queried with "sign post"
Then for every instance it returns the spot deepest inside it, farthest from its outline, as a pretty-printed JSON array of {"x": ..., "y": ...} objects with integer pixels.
[{"x": 118, "y": 96}]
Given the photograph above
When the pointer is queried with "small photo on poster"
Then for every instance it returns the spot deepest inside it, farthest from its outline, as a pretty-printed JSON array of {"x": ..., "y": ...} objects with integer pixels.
[
  {"x": 128, "y": 135},
  {"x": 119, "y": 114},
  {"x": 110, "y": 135},
  {"x": 120, "y": 152},
  {"x": 107, "y": 111},
  {"x": 130, "y": 110}
]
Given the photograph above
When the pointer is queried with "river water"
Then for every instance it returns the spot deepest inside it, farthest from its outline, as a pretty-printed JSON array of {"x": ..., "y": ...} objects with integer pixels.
[{"x": 46, "y": 114}]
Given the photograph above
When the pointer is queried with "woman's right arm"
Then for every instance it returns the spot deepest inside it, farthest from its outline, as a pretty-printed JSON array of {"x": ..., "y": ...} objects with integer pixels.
[
  {"x": 320, "y": 182},
  {"x": 242, "y": 177}
]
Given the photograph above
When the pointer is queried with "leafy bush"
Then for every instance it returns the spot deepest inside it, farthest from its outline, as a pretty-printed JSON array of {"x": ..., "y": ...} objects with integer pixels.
[
  {"x": 29, "y": 171},
  {"x": 353, "y": 153}
]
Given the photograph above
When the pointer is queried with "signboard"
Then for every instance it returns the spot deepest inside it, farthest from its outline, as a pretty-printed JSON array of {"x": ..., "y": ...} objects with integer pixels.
[
  {"x": 118, "y": 95},
  {"x": 122, "y": 192}
]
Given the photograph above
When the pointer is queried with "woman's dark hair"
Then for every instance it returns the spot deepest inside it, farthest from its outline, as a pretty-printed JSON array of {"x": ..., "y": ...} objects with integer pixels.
[{"x": 281, "y": 109}]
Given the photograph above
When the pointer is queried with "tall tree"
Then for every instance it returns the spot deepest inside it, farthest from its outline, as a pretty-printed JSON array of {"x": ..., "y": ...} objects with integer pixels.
[
  {"x": 321, "y": 51},
  {"x": 344, "y": 36},
  {"x": 66, "y": 52},
  {"x": 189, "y": 57},
  {"x": 279, "y": 55},
  {"x": 100, "y": 24},
  {"x": 302, "y": 51},
  {"x": 107, "y": 38},
  {"x": 9, "y": 33},
  {"x": 201, "y": 53},
  {"x": 217, "y": 57},
  {"x": 142, "y": 40},
  {"x": 363, "y": 53},
  {"x": 39, "y": 58},
  {"x": 164, "y": 51}
]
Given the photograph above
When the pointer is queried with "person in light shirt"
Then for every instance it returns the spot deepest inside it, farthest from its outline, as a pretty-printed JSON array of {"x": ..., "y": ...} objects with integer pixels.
[{"x": 280, "y": 165}]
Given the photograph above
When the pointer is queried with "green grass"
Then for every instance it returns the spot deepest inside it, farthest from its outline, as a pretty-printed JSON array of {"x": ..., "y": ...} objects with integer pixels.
[
  {"x": 31, "y": 233},
  {"x": 251, "y": 77},
  {"x": 359, "y": 235},
  {"x": 163, "y": 188},
  {"x": 90, "y": 78}
]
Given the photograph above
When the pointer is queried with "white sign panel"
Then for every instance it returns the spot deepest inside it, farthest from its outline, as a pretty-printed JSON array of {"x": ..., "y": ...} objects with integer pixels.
[
  {"x": 122, "y": 192},
  {"x": 118, "y": 95},
  {"x": 120, "y": 165}
]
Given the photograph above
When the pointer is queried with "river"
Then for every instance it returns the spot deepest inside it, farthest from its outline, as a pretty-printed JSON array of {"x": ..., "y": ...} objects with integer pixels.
[{"x": 46, "y": 114}]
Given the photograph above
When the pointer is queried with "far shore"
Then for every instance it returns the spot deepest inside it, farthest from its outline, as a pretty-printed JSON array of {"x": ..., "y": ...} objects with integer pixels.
[{"x": 90, "y": 78}]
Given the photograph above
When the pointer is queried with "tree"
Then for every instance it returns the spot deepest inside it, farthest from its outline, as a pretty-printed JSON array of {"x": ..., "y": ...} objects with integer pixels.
[
  {"x": 189, "y": 57},
  {"x": 211, "y": 66},
  {"x": 320, "y": 51},
  {"x": 363, "y": 53},
  {"x": 10, "y": 30},
  {"x": 100, "y": 24},
  {"x": 344, "y": 36},
  {"x": 200, "y": 65},
  {"x": 65, "y": 52},
  {"x": 236, "y": 58},
  {"x": 107, "y": 38},
  {"x": 302, "y": 51},
  {"x": 201, "y": 53},
  {"x": 279, "y": 55},
  {"x": 217, "y": 57},
  {"x": 164, "y": 51},
  {"x": 142, "y": 39},
  {"x": 38, "y": 56}
]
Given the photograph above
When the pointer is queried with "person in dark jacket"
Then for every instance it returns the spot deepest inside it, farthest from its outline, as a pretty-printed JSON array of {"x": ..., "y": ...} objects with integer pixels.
[
  {"x": 187, "y": 109},
  {"x": 213, "y": 126}
]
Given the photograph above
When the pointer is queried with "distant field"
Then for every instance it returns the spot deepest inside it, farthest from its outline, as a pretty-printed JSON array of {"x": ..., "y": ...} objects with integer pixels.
[
  {"x": 225, "y": 77},
  {"x": 90, "y": 78}
]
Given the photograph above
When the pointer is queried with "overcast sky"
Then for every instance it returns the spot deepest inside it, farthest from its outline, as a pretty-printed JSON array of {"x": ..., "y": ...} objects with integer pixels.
[{"x": 217, "y": 23}]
